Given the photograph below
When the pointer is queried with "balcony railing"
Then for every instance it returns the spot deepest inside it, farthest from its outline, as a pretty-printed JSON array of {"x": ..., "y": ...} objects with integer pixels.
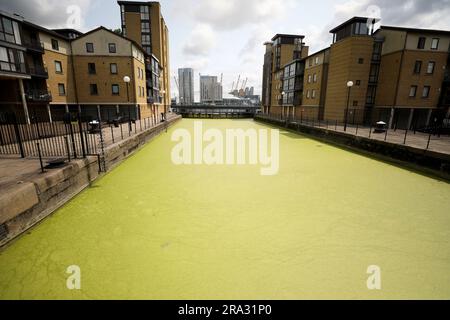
[
  {"x": 39, "y": 71},
  {"x": 34, "y": 45},
  {"x": 38, "y": 95}
]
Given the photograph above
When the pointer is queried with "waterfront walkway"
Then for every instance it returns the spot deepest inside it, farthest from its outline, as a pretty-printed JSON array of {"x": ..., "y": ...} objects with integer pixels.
[{"x": 419, "y": 140}]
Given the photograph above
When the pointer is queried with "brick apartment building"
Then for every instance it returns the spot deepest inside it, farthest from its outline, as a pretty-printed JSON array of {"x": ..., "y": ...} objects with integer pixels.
[
  {"x": 400, "y": 75},
  {"x": 47, "y": 73}
]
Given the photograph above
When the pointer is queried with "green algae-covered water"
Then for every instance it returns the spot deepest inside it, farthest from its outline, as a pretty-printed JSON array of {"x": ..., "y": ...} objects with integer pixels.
[{"x": 153, "y": 230}]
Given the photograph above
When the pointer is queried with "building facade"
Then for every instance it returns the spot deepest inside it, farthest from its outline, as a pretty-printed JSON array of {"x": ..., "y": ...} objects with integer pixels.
[
  {"x": 399, "y": 75},
  {"x": 280, "y": 51},
  {"x": 350, "y": 60},
  {"x": 143, "y": 23},
  {"x": 186, "y": 85},
  {"x": 292, "y": 86},
  {"x": 412, "y": 81},
  {"x": 315, "y": 84},
  {"x": 210, "y": 89},
  {"x": 101, "y": 61}
]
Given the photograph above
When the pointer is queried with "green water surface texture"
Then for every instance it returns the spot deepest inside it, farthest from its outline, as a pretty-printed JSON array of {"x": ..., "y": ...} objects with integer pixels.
[{"x": 153, "y": 230}]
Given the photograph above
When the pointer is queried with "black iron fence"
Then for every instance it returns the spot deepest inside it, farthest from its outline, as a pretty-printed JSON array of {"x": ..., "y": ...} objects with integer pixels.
[
  {"x": 77, "y": 135},
  {"x": 73, "y": 138},
  {"x": 422, "y": 129}
]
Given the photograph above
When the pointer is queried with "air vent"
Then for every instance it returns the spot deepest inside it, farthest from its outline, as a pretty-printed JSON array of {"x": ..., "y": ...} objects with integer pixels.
[{"x": 3, "y": 231}]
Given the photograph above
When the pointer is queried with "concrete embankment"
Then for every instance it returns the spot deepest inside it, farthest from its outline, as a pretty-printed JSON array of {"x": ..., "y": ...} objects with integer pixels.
[
  {"x": 425, "y": 161},
  {"x": 32, "y": 198}
]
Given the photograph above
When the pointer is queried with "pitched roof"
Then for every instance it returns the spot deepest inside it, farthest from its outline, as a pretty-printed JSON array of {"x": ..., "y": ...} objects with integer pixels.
[{"x": 112, "y": 32}]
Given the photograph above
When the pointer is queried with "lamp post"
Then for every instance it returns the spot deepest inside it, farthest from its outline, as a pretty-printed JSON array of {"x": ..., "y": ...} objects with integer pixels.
[
  {"x": 127, "y": 81},
  {"x": 164, "y": 114},
  {"x": 349, "y": 86},
  {"x": 282, "y": 103}
]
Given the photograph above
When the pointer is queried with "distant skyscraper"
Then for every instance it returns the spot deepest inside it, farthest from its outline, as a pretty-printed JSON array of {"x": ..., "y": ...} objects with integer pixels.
[
  {"x": 210, "y": 89},
  {"x": 186, "y": 82}
]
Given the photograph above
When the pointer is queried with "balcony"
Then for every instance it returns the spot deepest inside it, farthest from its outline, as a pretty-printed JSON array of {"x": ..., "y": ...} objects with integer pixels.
[
  {"x": 38, "y": 71},
  {"x": 34, "y": 45},
  {"x": 38, "y": 96}
]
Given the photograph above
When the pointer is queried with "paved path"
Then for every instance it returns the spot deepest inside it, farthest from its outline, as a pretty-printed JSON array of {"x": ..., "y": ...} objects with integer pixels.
[{"x": 418, "y": 140}]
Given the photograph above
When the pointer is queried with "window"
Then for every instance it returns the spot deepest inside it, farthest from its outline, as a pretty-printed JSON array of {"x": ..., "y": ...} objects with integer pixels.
[
  {"x": 309, "y": 78},
  {"x": 435, "y": 44},
  {"x": 91, "y": 68},
  {"x": 115, "y": 89},
  {"x": 412, "y": 91},
  {"x": 7, "y": 30},
  {"x": 426, "y": 92},
  {"x": 93, "y": 89},
  {"x": 355, "y": 103},
  {"x": 145, "y": 27},
  {"x": 430, "y": 68},
  {"x": 145, "y": 15},
  {"x": 89, "y": 47},
  {"x": 58, "y": 67},
  {"x": 12, "y": 60},
  {"x": 317, "y": 60},
  {"x": 292, "y": 70},
  {"x": 360, "y": 60},
  {"x": 307, "y": 94},
  {"x": 310, "y": 62},
  {"x": 358, "y": 82},
  {"x": 146, "y": 39},
  {"x": 112, "y": 48},
  {"x": 417, "y": 67},
  {"x": 113, "y": 68},
  {"x": 315, "y": 77},
  {"x": 313, "y": 95},
  {"x": 421, "y": 43},
  {"x": 61, "y": 89},
  {"x": 55, "y": 45},
  {"x": 291, "y": 84}
]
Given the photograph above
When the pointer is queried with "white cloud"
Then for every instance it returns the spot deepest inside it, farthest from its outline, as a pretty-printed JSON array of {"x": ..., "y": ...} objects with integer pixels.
[
  {"x": 48, "y": 13},
  {"x": 418, "y": 13},
  {"x": 233, "y": 14},
  {"x": 200, "y": 42}
]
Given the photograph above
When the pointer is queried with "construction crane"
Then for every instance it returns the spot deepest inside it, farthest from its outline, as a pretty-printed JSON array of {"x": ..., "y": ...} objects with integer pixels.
[
  {"x": 237, "y": 84},
  {"x": 221, "y": 78},
  {"x": 232, "y": 87},
  {"x": 244, "y": 84}
]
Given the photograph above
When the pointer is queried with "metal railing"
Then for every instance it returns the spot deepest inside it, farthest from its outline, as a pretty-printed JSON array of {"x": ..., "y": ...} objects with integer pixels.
[
  {"x": 434, "y": 136},
  {"x": 34, "y": 44},
  {"x": 39, "y": 95},
  {"x": 36, "y": 70},
  {"x": 76, "y": 137}
]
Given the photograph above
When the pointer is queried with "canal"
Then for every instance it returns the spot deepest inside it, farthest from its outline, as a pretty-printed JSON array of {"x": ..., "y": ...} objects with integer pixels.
[{"x": 153, "y": 230}]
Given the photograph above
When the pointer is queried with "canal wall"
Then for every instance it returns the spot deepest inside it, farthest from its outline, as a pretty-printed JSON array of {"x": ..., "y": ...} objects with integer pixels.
[
  {"x": 425, "y": 161},
  {"x": 24, "y": 205}
]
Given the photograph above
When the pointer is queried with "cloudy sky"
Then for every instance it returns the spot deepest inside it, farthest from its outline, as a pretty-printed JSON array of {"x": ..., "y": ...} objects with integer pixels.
[{"x": 226, "y": 36}]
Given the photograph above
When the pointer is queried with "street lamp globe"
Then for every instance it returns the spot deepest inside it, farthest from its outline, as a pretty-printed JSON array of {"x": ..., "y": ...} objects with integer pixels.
[
  {"x": 283, "y": 93},
  {"x": 126, "y": 79},
  {"x": 350, "y": 84}
]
